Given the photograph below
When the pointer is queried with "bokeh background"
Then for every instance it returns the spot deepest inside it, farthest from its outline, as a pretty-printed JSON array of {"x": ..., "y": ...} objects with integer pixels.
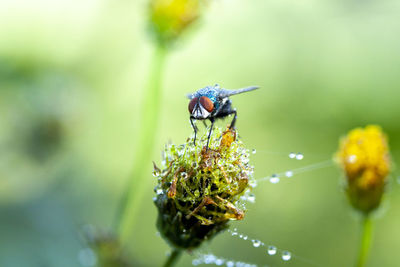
[{"x": 72, "y": 76}]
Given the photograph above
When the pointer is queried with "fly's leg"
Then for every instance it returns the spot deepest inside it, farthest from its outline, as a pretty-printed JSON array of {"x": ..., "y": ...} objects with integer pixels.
[
  {"x": 232, "y": 126},
  {"x": 209, "y": 134},
  {"x": 194, "y": 129},
  {"x": 227, "y": 110}
]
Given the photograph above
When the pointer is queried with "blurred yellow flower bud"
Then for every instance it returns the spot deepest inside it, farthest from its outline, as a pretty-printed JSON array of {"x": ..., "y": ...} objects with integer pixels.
[
  {"x": 169, "y": 18},
  {"x": 364, "y": 156}
]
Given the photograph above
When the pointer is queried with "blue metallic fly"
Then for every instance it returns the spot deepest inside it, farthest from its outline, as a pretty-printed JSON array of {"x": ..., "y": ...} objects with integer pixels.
[{"x": 212, "y": 102}]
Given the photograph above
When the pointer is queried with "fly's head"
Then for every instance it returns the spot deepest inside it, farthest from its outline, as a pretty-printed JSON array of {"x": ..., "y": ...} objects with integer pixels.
[{"x": 201, "y": 107}]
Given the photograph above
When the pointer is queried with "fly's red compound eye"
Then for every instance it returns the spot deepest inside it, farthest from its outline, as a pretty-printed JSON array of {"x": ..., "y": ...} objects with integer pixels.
[
  {"x": 192, "y": 103},
  {"x": 207, "y": 103}
]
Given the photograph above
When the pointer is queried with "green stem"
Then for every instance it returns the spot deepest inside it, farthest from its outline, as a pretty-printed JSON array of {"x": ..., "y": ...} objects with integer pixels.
[
  {"x": 130, "y": 202},
  {"x": 366, "y": 240},
  {"x": 172, "y": 258}
]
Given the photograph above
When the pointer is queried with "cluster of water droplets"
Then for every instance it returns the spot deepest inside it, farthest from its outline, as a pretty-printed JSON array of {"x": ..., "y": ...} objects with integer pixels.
[
  {"x": 212, "y": 259},
  {"x": 298, "y": 156},
  {"x": 276, "y": 177},
  {"x": 270, "y": 249}
]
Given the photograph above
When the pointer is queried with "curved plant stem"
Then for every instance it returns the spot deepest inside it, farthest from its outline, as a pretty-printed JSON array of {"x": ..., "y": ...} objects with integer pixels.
[
  {"x": 366, "y": 240},
  {"x": 172, "y": 258},
  {"x": 130, "y": 202}
]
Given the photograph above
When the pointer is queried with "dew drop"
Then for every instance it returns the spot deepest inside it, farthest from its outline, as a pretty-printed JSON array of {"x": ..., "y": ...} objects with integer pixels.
[
  {"x": 196, "y": 262},
  {"x": 299, "y": 156},
  {"x": 219, "y": 262},
  {"x": 289, "y": 173},
  {"x": 159, "y": 191},
  {"x": 256, "y": 243},
  {"x": 230, "y": 264},
  {"x": 274, "y": 179},
  {"x": 245, "y": 237},
  {"x": 253, "y": 183},
  {"x": 271, "y": 250},
  {"x": 286, "y": 255},
  {"x": 254, "y": 151},
  {"x": 184, "y": 175},
  {"x": 209, "y": 259},
  {"x": 234, "y": 232},
  {"x": 251, "y": 198},
  {"x": 240, "y": 236},
  {"x": 352, "y": 159},
  {"x": 292, "y": 155}
]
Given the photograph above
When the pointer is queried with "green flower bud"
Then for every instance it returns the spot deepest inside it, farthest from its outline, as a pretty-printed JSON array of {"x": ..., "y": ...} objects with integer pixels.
[{"x": 199, "y": 190}]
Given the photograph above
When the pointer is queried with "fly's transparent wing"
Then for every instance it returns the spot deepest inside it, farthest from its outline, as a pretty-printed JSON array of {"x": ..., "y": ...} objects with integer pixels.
[{"x": 226, "y": 93}]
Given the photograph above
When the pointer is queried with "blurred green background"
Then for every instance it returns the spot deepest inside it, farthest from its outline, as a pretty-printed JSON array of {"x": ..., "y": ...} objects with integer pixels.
[{"x": 72, "y": 75}]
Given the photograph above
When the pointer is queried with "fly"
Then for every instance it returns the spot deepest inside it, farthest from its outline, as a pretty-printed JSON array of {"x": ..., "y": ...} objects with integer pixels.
[{"x": 212, "y": 102}]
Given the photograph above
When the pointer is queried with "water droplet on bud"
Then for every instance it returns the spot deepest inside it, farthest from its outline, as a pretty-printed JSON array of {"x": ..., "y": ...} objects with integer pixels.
[
  {"x": 159, "y": 191},
  {"x": 299, "y": 156},
  {"x": 292, "y": 155},
  {"x": 253, "y": 183}
]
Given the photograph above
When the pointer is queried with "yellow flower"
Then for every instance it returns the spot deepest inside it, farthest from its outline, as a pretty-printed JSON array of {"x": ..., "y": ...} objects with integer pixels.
[
  {"x": 364, "y": 156},
  {"x": 169, "y": 18}
]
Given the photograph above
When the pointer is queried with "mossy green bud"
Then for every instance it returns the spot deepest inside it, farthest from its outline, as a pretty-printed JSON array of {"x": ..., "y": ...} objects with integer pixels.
[{"x": 199, "y": 189}]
